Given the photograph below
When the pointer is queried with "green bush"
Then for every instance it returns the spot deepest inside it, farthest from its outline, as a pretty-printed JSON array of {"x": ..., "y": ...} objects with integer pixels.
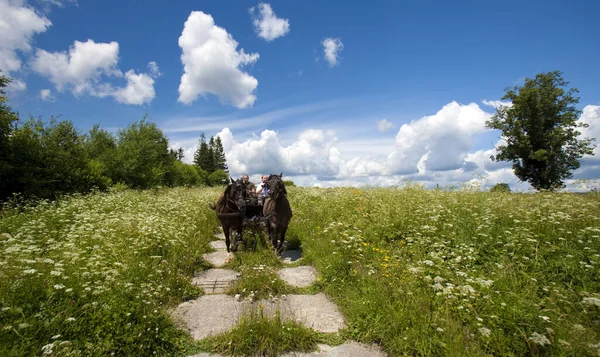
[{"x": 500, "y": 187}]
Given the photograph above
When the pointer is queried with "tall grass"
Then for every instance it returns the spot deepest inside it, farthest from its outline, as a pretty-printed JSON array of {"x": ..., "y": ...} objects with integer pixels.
[
  {"x": 92, "y": 275},
  {"x": 430, "y": 273},
  {"x": 458, "y": 273}
]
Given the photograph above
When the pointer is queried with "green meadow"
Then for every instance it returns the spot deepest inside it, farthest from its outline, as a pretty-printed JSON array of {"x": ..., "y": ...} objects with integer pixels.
[{"x": 419, "y": 272}]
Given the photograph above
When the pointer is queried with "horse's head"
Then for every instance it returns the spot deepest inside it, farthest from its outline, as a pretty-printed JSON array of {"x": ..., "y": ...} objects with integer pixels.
[
  {"x": 276, "y": 186},
  {"x": 237, "y": 193}
]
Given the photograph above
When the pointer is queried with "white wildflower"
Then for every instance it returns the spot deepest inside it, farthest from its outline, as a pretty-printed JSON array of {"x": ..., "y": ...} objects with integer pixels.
[
  {"x": 485, "y": 332},
  {"x": 438, "y": 279},
  {"x": 592, "y": 301},
  {"x": 564, "y": 343},
  {"x": 59, "y": 286},
  {"x": 538, "y": 339}
]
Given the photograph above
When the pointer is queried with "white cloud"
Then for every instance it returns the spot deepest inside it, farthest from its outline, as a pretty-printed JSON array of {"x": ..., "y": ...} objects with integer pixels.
[
  {"x": 446, "y": 137},
  {"x": 591, "y": 116},
  {"x": 383, "y": 125},
  {"x": 434, "y": 150},
  {"x": 18, "y": 24},
  {"x": 266, "y": 23},
  {"x": 212, "y": 64},
  {"x": 496, "y": 103},
  {"x": 16, "y": 85},
  {"x": 86, "y": 68},
  {"x": 154, "y": 71},
  {"x": 46, "y": 95},
  {"x": 58, "y": 3},
  {"x": 80, "y": 68},
  {"x": 332, "y": 47},
  {"x": 139, "y": 89}
]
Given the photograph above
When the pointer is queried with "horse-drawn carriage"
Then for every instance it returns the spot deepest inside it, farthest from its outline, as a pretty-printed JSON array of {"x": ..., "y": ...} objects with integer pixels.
[{"x": 237, "y": 210}]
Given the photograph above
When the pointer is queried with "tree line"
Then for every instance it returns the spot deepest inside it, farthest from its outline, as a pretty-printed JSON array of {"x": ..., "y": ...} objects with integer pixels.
[{"x": 45, "y": 159}]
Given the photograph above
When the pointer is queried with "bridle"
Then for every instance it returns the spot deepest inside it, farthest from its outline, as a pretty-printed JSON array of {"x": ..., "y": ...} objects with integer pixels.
[{"x": 236, "y": 204}]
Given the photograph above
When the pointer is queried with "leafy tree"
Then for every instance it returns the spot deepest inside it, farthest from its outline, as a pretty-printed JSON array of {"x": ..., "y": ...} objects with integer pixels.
[
  {"x": 540, "y": 129},
  {"x": 185, "y": 174},
  {"x": 101, "y": 148},
  {"x": 500, "y": 187},
  {"x": 143, "y": 157},
  {"x": 289, "y": 183},
  {"x": 203, "y": 175},
  {"x": 218, "y": 177},
  {"x": 219, "y": 156},
  {"x": 7, "y": 118}
]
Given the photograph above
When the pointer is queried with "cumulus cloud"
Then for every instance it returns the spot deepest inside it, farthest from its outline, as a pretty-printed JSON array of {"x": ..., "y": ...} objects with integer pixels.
[
  {"x": 18, "y": 24},
  {"x": 212, "y": 64},
  {"x": 332, "y": 47},
  {"x": 81, "y": 67},
  {"x": 433, "y": 150},
  {"x": 46, "y": 95},
  {"x": 591, "y": 116},
  {"x": 86, "y": 67},
  {"x": 446, "y": 137},
  {"x": 266, "y": 23},
  {"x": 383, "y": 125},
  {"x": 139, "y": 89}
]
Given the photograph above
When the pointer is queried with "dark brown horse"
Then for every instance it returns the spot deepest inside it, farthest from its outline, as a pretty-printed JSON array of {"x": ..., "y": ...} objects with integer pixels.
[
  {"x": 230, "y": 209},
  {"x": 277, "y": 211}
]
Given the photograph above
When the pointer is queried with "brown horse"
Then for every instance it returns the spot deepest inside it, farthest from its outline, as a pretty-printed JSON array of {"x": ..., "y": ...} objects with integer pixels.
[
  {"x": 230, "y": 209},
  {"x": 277, "y": 211}
]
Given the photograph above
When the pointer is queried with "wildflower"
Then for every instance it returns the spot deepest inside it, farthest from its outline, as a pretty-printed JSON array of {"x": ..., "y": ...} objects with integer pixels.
[
  {"x": 59, "y": 286},
  {"x": 428, "y": 263},
  {"x": 545, "y": 318},
  {"x": 438, "y": 279},
  {"x": 592, "y": 301},
  {"x": 485, "y": 332},
  {"x": 538, "y": 339},
  {"x": 439, "y": 329},
  {"x": 564, "y": 343}
]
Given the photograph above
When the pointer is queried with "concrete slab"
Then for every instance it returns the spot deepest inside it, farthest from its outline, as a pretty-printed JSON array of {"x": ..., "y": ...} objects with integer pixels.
[
  {"x": 218, "y": 259},
  {"x": 316, "y": 312},
  {"x": 301, "y": 276},
  {"x": 215, "y": 314},
  {"x": 218, "y": 245},
  {"x": 220, "y": 235},
  {"x": 290, "y": 256},
  {"x": 348, "y": 349},
  {"x": 215, "y": 280},
  {"x": 208, "y": 315}
]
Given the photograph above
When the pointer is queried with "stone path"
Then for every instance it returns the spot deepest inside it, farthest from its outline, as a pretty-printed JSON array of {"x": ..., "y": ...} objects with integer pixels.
[{"x": 216, "y": 313}]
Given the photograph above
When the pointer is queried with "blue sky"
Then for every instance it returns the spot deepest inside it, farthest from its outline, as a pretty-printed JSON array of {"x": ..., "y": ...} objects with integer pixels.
[{"x": 427, "y": 65}]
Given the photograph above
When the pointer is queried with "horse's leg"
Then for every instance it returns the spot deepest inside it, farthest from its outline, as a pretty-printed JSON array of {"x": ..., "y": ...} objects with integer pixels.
[
  {"x": 226, "y": 232},
  {"x": 282, "y": 237},
  {"x": 239, "y": 229},
  {"x": 273, "y": 232}
]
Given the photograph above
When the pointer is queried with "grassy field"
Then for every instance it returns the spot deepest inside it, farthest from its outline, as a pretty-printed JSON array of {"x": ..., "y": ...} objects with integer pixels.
[{"x": 421, "y": 272}]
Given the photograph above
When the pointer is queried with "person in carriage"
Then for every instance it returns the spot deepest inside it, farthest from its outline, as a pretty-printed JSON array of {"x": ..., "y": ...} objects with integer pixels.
[
  {"x": 263, "y": 190},
  {"x": 250, "y": 187}
]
